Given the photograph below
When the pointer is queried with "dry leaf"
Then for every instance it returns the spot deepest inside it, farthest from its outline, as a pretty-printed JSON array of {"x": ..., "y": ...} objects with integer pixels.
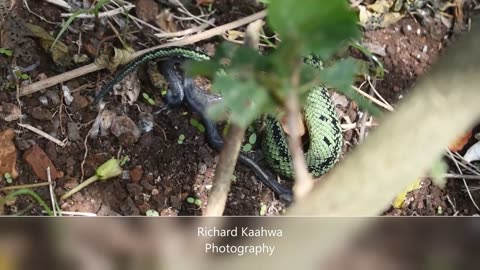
[
  {"x": 8, "y": 153},
  {"x": 400, "y": 199},
  {"x": 460, "y": 142},
  {"x": 381, "y": 6}
]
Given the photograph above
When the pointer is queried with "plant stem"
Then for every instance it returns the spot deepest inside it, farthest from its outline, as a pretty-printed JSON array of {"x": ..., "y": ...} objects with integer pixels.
[
  {"x": 79, "y": 187},
  {"x": 24, "y": 186},
  {"x": 30, "y": 193},
  {"x": 303, "y": 179},
  {"x": 224, "y": 171}
]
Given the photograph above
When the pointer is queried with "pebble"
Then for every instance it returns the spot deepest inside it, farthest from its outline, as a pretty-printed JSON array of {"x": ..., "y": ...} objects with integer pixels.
[
  {"x": 39, "y": 162},
  {"x": 10, "y": 112},
  {"x": 125, "y": 130},
  {"x": 41, "y": 113},
  {"x": 73, "y": 131},
  {"x": 136, "y": 174}
]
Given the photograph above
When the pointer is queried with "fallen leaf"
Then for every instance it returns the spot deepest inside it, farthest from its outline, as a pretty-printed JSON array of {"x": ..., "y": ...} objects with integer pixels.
[
  {"x": 400, "y": 199},
  {"x": 8, "y": 153},
  {"x": 460, "y": 142},
  {"x": 381, "y": 6},
  {"x": 60, "y": 53}
]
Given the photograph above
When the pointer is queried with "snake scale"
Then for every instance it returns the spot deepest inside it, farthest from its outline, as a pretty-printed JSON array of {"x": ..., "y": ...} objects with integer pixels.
[{"x": 325, "y": 136}]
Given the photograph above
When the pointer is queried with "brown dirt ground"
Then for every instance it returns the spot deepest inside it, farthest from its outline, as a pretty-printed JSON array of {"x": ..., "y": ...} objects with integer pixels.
[{"x": 161, "y": 173}]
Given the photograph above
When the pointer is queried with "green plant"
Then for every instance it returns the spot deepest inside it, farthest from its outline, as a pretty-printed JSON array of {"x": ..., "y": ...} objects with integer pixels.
[
  {"x": 263, "y": 82},
  {"x": 111, "y": 168},
  {"x": 152, "y": 213},
  {"x": 6, "y": 51},
  {"x": 148, "y": 99},
  {"x": 181, "y": 139},
  {"x": 94, "y": 10},
  {"x": 30, "y": 193},
  {"x": 8, "y": 178},
  {"x": 196, "y": 124}
]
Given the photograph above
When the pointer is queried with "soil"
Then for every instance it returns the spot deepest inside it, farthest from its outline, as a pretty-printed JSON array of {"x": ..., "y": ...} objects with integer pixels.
[{"x": 161, "y": 173}]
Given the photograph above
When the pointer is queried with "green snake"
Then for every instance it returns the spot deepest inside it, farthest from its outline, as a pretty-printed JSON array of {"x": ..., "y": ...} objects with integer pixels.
[{"x": 323, "y": 125}]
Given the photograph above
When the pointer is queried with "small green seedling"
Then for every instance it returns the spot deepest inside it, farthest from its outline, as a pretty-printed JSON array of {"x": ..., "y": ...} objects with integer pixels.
[
  {"x": 247, "y": 148},
  {"x": 148, "y": 99},
  {"x": 196, "y": 124},
  {"x": 252, "y": 139},
  {"x": 124, "y": 160},
  {"x": 152, "y": 213},
  {"x": 195, "y": 201},
  {"x": 263, "y": 209},
  {"x": 163, "y": 93},
  {"x": 181, "y": 139},
  {"x": 198, "y": 202},
  {"x": 8, "y": 178},
  {"x": 6, "y": 51},
  {"x": 110, "y": 169},
  {"x": 24, "y": 76}
]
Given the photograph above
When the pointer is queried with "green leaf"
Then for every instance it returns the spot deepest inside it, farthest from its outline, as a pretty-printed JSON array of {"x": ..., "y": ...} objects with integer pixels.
[
  {"x": 247, "y": 148},
  {"x": 437, "y": 172},
  {"x": 190, "y": 200},
  {"x": 67, "y": 24},
  {"x": 340, "y": 75},
  {"x": 198, "y": 202},
  {"x": 252, "y": 139},
  {"x": 181, "y": 137},
  {"x": 6, "y": 51},
  {"x": 245, "y": 100},
  {"x": 311, "y": 25},
  {"x": 111, "y": 168},
  {"x": 152, "y": 213},
  {"x": 263, "y": 210}
]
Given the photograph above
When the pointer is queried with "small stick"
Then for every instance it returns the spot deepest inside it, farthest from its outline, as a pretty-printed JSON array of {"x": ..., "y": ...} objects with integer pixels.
[
  {"x": 43, "y": 134},
  {"x": 185, "y": 32},
  {"x": 60, "y": 3},
  {"x": 109, "y": 13},
  {"x": 37, "y": 86},
  {"x": 24, "y": 186},
  {"x": 374, "y": 100},
  {"x": 52, "y": 195}
]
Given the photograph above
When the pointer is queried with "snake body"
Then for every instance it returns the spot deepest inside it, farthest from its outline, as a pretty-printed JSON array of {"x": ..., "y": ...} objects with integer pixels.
[{"x": 321, "y": 120}]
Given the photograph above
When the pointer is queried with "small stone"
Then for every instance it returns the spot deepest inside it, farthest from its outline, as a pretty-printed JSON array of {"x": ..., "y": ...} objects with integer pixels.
[
  {"x": 125, "y": 130},
  {"x": 41, "y": 113},
  {"x": 79, "y": 102},
  {"x": 39, "y": 162},
  {"x": 155, "y": 192},
  {"x": 71, "y": 183},
  {"x": 73, "y": 131},
  {"x": 175, "y": 202},
  {"x": 134, "y": 189},
  {"x": 146, "y": 185},
  {"x": 10, "y": 112},
  {"x": 136, "y": 174},
  {"x": 169, "y": 212}
]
